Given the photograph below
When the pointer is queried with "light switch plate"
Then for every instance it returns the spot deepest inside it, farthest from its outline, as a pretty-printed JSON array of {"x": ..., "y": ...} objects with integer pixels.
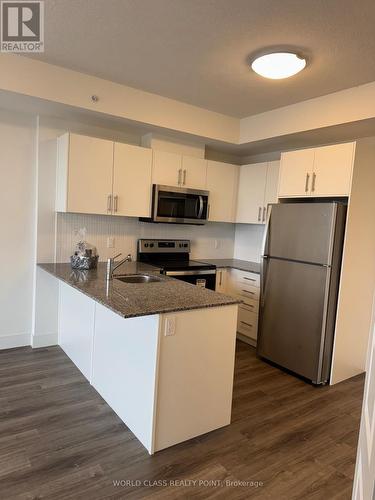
[
  {"x": 170, "y": 326},
  {"x": 110, "y": 242}
]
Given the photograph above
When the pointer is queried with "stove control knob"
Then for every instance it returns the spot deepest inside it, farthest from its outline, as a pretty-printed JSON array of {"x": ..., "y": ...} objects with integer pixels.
[
  {"x": 151, "y": 245},
  {"x": 146, "y": 245}
]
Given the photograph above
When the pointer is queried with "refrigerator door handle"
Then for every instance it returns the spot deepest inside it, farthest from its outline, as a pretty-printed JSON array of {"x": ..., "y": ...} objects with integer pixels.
[{"x": 264, "y": 256}]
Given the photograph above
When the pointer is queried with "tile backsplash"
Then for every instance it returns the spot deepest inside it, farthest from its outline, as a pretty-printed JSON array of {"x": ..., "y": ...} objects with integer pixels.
[{"x": 213, "y": 240}]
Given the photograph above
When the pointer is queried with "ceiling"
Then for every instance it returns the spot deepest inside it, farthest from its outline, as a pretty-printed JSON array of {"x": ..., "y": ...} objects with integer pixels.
[{"x": 196, "y": 51}]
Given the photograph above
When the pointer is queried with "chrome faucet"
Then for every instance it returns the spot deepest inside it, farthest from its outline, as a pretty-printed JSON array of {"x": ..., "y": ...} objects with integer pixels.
[{"x": 112, "y": 265}]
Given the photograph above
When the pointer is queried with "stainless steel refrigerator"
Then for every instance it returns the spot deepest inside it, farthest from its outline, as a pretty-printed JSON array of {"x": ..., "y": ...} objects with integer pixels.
[{"x": 300, "y": 275}]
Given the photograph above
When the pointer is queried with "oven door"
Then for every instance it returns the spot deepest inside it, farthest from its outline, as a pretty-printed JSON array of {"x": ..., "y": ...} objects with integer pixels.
[
  {"x": 179, "y": 205},
  {"x": 206, "y": 278}
]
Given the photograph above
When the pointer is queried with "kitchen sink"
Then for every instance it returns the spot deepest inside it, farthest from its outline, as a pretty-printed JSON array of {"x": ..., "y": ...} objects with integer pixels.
[{"x": 138, "y": 278}]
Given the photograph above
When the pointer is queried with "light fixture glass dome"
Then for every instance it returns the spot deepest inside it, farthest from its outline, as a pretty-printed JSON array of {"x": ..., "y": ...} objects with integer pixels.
[{"x": 278, "y": 65}]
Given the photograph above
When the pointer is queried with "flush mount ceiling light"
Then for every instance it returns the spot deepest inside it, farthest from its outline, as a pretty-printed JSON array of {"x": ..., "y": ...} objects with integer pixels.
[{"x": 278, "y": 65}]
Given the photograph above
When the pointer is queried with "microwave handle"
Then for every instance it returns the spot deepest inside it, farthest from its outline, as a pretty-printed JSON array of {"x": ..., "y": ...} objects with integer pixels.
[{"x": 200, "y": 207}]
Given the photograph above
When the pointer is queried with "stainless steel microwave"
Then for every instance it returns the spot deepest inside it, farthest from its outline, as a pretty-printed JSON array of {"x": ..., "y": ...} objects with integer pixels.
[{"x": 177, "y": 205}]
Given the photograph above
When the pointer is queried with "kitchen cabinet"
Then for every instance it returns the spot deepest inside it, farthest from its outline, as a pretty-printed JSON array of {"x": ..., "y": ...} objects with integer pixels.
[
  {"x": 84, "y": 175},
  {"x": 171, "y": 169},
  {"x": 76, "y": 319},
  {"x": 194, "y": 172},
  {"x": 166, "y": 168},
  {"x": 96, "y": 176},
  {"x": 222, "y": 183},
  {"x": 317, "y": 172},
  {"x": 296, "y": 171},
  {"x": 132, "y": 169},
  {"x": 257, "y": 188},
  {"x": 246, "y": 287},
  {"x": 333, "y": 167}
]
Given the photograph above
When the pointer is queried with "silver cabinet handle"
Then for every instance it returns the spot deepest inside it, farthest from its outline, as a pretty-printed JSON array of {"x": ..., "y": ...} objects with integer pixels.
[
  {"x": 307, "y": 182},
  {"x": 247, "y": 324},
  {"x": 313, "y": 182},
  {"x": 249, "y": 305},
  {"x": 184, "y": 178},
  {"x": 259, "y": 214},
  {"x": 247, "y": 291},
  {"x": 109, "y": 203},
  {"x": 115, "y": 199},
  {"x": 221, "y": 277},
  {"x": 264, "y": 214},
  {"x": 249, "y": 279},
  {"x": 179, "y": 176}
]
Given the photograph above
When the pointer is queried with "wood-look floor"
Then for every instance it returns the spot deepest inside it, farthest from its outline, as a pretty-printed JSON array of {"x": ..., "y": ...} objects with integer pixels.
[{"x": 59, "y": 440}]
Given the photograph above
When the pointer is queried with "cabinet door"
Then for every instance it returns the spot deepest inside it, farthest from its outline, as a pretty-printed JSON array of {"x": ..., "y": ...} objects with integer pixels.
[
  {"x": 333, "y": 170},
  {"x": 132, "y": 180},
  {"x": 90, "y": 165},
  {"x": 194, "y": 172},
  {"x": 222, "y": 183},
  {"x": 166, "y": 168},
  {"x": 251, "y": 189},
  {"x": 296, "y": 173}
]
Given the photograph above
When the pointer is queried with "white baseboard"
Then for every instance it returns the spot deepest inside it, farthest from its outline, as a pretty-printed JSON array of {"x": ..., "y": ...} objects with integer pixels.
[
  {"x": 46, "y": 340},
  {"x": 17, "y": 340}
]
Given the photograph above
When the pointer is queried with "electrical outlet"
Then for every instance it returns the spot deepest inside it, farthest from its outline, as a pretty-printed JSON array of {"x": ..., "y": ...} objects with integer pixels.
[
  {"x": 110, "y": 242},
  {"x": 217, "y": 244},
  {"x": 170, "y": 326}
]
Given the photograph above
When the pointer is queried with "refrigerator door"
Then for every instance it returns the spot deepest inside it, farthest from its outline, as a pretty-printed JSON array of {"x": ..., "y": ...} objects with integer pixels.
[
  {"x": 293, "y": 305},
  {"x": 303, "y": 232}
]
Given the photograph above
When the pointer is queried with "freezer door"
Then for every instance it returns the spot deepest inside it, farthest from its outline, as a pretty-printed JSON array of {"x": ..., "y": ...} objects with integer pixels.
[
  {"x": 302, "y": 231},
  {"x": 292, "y": 314}
]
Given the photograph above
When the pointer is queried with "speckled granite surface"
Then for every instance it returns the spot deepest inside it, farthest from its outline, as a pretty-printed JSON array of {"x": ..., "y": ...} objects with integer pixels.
[
  {"x": 129, "y": 299},
  {"x": 242, "y": 265}
]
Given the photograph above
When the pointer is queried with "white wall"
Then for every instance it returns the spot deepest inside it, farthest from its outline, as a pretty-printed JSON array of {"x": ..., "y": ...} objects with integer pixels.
[
  {"x": 126, "y": 231},
  {"x": 17, "y": 249},
  {"x": 248, "y": 242}
]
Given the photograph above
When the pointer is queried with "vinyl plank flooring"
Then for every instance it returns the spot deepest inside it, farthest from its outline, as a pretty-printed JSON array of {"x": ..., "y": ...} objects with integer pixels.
[{"x": 59, "y": 440}]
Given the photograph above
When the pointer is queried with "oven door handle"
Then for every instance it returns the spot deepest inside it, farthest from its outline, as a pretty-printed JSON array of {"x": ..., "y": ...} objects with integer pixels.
[{"x": 190, "y": 273}]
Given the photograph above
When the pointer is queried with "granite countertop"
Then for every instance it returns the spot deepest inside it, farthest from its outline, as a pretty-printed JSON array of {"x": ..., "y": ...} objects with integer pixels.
[
  {"x": 242, "y": 265},
  {"x": 129, "y": 299}
]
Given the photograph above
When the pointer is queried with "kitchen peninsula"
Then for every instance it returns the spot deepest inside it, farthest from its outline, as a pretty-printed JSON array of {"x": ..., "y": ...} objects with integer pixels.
[{"x": 161, "y": 354}]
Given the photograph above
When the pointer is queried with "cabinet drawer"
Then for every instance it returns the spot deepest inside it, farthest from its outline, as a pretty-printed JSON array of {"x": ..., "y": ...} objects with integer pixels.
[
  {"x": 245, "y": 277},
  {"x": 247, "y": 292},
  {"x": 250, "y": 305},
  {"x": 247, "y": 323}
]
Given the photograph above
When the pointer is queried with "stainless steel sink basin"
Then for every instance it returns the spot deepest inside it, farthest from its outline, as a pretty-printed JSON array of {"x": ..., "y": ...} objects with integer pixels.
[{"x": 138, "y": 278}]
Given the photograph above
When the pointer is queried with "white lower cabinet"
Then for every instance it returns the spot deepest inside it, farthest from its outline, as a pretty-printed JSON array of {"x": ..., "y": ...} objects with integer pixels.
[
  {"x": 76, "y": 327},
  {"x": 244, "y": 286}
]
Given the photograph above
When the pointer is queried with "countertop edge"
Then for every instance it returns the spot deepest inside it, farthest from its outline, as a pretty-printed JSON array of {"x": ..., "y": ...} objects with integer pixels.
[{"x": 230, "y": 302}]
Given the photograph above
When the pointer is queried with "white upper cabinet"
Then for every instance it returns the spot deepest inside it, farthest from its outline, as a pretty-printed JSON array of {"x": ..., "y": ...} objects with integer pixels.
[
  {"x": 222, "y": 183},
  {"x": 171, "y": 169},
  {"x": 84, "y": 174},
  {"x": 270, "y": 194},
  {"x": 317, "y": 172},
  {"x": 132, "y": 181},
  {"x": 167, "y": 168},
  {"x": 194, "y": 172},
  {"x": 257, "y": 188},
  {"x": 251, "y": 189},
  {"x": 333, "y": 167},
  {"x": 96, "y": 176},
  {"x": 296, "y": 173}
]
